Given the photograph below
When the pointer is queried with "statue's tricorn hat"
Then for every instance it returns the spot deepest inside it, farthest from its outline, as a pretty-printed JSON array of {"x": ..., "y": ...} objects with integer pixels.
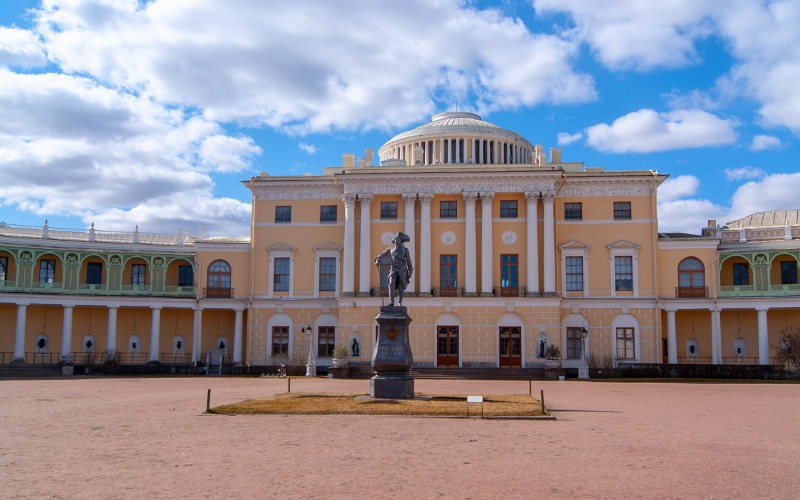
[{"x": 400, "y": 237}]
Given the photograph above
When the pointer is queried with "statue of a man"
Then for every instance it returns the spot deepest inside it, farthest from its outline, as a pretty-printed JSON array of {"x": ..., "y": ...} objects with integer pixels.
[{"x": 400, "y": 266}]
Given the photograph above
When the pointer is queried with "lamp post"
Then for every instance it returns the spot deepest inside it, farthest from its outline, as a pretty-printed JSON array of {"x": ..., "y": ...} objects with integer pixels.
[
  {"x": 583, "y": 371},
  {"x": 311, "y": 362}
]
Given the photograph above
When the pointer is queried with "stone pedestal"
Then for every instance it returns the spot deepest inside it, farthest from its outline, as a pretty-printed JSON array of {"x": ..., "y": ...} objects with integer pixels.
[{"x": 391, "y": 357}]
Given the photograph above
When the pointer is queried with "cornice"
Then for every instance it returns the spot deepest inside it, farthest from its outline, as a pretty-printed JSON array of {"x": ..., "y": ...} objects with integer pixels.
[
  {"x": 622, "y": 186},
  {"x": 448, "y": 183}
]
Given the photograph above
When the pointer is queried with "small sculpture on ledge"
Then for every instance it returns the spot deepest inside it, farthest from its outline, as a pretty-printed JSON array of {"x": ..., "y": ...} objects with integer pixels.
[{"x": 400, "y": 269}]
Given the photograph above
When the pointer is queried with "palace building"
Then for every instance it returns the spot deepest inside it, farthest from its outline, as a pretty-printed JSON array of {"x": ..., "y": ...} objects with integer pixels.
[{"x": 514, "y": 251}]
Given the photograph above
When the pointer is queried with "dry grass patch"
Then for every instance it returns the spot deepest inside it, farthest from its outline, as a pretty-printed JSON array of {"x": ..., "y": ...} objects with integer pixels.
[{"x": 360, "y": 404}]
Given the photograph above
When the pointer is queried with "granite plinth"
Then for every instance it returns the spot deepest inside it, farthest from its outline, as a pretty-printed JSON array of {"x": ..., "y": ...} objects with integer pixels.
[
  {"x": 391, "y": 356},
  {"x": 391, "y": 386}
]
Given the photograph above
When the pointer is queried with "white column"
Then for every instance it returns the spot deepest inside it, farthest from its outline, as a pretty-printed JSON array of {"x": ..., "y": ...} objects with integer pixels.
[
  {"x": 66, "y": 332},
  {"x": 348, "y": 267},
  {"x": 470, "y": 266},
  {"x": 19, "y": 338},
  {"x": 496, "y": 152},
  {"x": 425, "y": 244},
  {"x": 365, "y": 260},
  {"x": 237, "y": 336},
  {"x": 716, "y": 337},
  {"x": 155, "y": 333},
  {"x": 111, "y": 333},
  {"x": 532, "y": 243},
  {"x": 441, "y": 150},
  {"x": 487, "y": 254},
  {"x": 549, "y": 244},
  {"x": 197, "y": 334},
  {"x": 408, "y": 202},
  {"x": 458, "y": 151},
  {"x": 480, "y": 151},
  {"x": 672, "y": 338},
  {"x": 763, "y": 337}
]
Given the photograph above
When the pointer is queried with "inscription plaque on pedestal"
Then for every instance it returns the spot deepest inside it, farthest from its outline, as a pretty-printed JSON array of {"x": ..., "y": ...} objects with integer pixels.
[{"x": 391, "y": 357}]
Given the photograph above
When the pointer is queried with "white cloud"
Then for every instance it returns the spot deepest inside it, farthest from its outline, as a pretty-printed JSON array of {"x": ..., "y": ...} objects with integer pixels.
[
  {"x": 308, "y": 148},
  {"x": 565, "y": 139},
  {"x": 228, "y": 154},
  {"x": 773, "y": 192},
  {"x": 20, "y": 47},
  {"x": 737, "y": 174},
  {"x": 646, "y": 131},
  {"x": 675, "y": 188},
  {"x": 762, "y": 142},
  {"x": 687, "y": 216}
]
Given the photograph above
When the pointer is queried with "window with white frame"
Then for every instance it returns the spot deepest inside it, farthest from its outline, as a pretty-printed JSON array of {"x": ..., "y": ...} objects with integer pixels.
[
  {"x": 326, "y": 267},
  {"x": 624, "y": 267},
  {"x": 574, "y": 270},
  {"x": 281, "y": 269},
  {"x": 574, "y": 267},
  {"x": 623, "y": 273}
]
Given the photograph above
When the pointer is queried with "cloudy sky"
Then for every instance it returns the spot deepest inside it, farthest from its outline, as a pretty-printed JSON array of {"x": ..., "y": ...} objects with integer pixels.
[{"x": 126, "y": 112}]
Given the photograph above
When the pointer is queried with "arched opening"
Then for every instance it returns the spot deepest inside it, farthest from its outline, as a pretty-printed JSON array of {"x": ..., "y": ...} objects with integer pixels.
[
  {"x": 691, "y": 278},
  {"x": 219, "y": 280}
]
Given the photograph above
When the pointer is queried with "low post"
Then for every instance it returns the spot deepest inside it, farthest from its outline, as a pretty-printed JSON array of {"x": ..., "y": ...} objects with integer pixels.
[
  {"x": 541, "y": 399},
  {"x": 208, "y": 400}
]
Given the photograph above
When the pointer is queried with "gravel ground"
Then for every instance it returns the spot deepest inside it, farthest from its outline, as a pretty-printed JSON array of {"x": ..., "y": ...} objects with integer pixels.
[{"x": 91, "y": 437}]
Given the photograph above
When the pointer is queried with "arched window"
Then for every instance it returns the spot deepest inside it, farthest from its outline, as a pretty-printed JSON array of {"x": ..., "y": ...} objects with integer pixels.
[
  {"x": 219, "y": 279},
  {"x": 691, "y": 278}
]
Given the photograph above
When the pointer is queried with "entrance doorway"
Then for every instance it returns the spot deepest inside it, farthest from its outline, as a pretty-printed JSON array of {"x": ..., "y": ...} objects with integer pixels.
[
  {"x": 510, "y": 346},
  {"x": 447, "y": 346}
]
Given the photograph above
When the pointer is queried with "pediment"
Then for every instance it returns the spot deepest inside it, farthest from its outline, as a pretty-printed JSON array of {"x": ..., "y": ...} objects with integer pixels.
[
  {"x": 281, "y": 247},
  {"x": 327, "y": 246},
  {"x": 574, "y": 244},
  {"x": 623, "y": 245}
]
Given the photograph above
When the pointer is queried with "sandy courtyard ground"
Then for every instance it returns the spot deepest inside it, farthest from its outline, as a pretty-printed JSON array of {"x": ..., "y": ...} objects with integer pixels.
[{"x": 144, "y": 438}]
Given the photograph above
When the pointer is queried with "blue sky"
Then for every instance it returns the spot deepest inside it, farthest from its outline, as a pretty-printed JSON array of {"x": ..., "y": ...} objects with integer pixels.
[{"x": 125, "y": 112}]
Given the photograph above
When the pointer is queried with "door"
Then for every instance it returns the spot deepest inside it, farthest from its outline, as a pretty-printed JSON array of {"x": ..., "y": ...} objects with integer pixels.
[
  {"x": 447, "y": 346},
  {"x": 510, "y": 346}
]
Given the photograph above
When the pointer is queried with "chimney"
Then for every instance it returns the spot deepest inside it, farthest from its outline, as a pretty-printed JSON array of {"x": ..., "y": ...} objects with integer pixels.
[
  {"x": 555, "y": 155},
  {"x": 348, "y": 160},
  {"x": 368, "y": 152},
  {"x": 362, "y": 162}
]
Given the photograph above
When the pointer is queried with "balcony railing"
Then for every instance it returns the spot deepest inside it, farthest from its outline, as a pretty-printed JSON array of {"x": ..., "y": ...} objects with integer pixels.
[
  {"x": 8, "y": 286},
  {"x": 772, "y": 290},
  {"x": 691, "y": 292},
  {"x": 441, "y": 291},
  {"x": 512, "y": 291},
  {"x": 218, "y": 293}
]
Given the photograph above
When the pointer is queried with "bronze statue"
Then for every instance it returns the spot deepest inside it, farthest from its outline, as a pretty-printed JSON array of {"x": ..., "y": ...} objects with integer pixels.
[{"x": 400, "y": 266}]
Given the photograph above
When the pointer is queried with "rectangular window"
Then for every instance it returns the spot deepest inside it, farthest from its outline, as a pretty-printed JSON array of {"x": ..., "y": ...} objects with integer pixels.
[
  {"x": 94, "y": 273},
  {"x": 508, "y": 209},
  {"x": 47, "y": 271},
  {"x": 508, "y": 274},
  {"x": 741, "y": 274},
  {"x": 138, "y": 274},
  {"x": 327, "y": 213},
  {"x": 185, "y": 276},
  {"x": 448, "y": 210},
  {"x": 788, "y": 272},
  {"x": 626, "y": 345},
  {"x": 283, "y": 214},
  {"x": 447, "y": 275},
  {"x": 622, "y": 210},
  {"x": 280, "y": 282},
  {"x": 574, "y": 270},
  {"x": 280, "y": 340},
  {"x": 623, "y": 274},
  {"x": 573, "y": 211},
  {"x": 327, "y": 274},
  {"x": 326, "y": 341},
  {"x": 388, "y": 210},
  {"x": 574, "y": 343},
  {"x": 3, "y": 268}
]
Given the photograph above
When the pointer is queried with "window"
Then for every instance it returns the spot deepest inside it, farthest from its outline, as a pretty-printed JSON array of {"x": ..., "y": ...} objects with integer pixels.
[
  {"x": 47, "y": 271},
  {"x": 573, "y": 211},
  {"x": 623, "y": 273},
  {"x": 690, "y": 273},
  {"x": 447, "y": 275},
  {"x": 788, "y": 272},
  {"x": 448, "y": 210},
  {"x": 327, "y": 274},
  {"x": 219, "y": 274},
  {"x": 574, "y": 342},
  {"x": 574, "y": 268},
  {"x": 283, "y": 214},
  {"x": 741, "y": 274},
  {"x": 508, "y": 275},
  {"x": 508, "y": 209},
  {"x": 388, "y": 210},
  {"x": 185, "y": 276},
  {"x": 326, "y": 341},
  {"x": 3, "y": 268},
  {"x": 94, "y": 273},
  {"x": 622, "y": 210},
  {"x": 626, "y": 344},
  {"x": 138, "y": 274},
  {"x": 280, "y": 340},
  {"x": 327, "y": 213},
  {"x": 280, "y": 282}
]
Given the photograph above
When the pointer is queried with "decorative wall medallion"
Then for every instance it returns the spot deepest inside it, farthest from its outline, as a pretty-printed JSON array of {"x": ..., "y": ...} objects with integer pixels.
[
  {"x": 448, "y": 237},
  {"x": 386, "y": 238},
  {"x": 509, "y": 237}
]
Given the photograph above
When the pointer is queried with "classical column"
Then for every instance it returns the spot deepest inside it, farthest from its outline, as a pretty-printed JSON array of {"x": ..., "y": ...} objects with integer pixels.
[
  {"x": 19, "y": 338},
  {"x": 111, "y": 334},
  {"x": 408, "y": 202},
  {"x": 487, "y": 254},
  {"x": 197, "y": 334},
  {"x": 348, "y": 266},
  {"x": 480, "y": 151},
  {"x": 441, "y": 150},
  {"x": 425, "y": 244},
  {"x": 496, "y": 152},
  {"x": 716, "y": 337},
  {"x": 470, "y": 266},
  {"x": 155, "y": 333},
  {"x": 672, "y": 338},
  {"x": 66, "y": 332},
  {"x": 365, "y": 259},
  {"x": 532, "y": 243},
  {"x": 763, "y": 337},
  {"x": 549, "y": 244},
  {"x": 237, "y": 336}
]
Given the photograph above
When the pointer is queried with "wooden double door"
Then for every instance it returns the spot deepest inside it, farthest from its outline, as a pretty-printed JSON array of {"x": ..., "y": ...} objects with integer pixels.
[
  {"x": 510, "y": 346},
  {"x": 447, "y": 346}
]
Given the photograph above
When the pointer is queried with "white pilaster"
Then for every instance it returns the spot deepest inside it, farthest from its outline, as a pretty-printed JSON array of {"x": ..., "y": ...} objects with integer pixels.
[
  {"x": 716, "y": 337},
  {"x": 763, "y": 337},
  {"x": 487, "y": 253},
  {"x": 365, "y": 252},
  {"x": 155, "y": 333},
  {"x": 19, "y": 337},
  {"x": 348, "y": 266},
  {"x": 237, "y": 336},
  {"x": 532, "y": 243},
  {"x": 66, "y": 332},
  {"x": 197, "y": 334},
  {"x": 111, "y": 331},
  {"x": 408, "y": 202},
  {"x": 470, "y": 266},
  {"x": 425, "y": 244},
  {"x": 672, "y": 338},
  {"x": 549, "y": 244}
]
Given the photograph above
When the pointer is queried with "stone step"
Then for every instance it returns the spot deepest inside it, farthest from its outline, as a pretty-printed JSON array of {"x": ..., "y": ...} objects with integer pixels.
[{"x": 29, "y": 371}]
